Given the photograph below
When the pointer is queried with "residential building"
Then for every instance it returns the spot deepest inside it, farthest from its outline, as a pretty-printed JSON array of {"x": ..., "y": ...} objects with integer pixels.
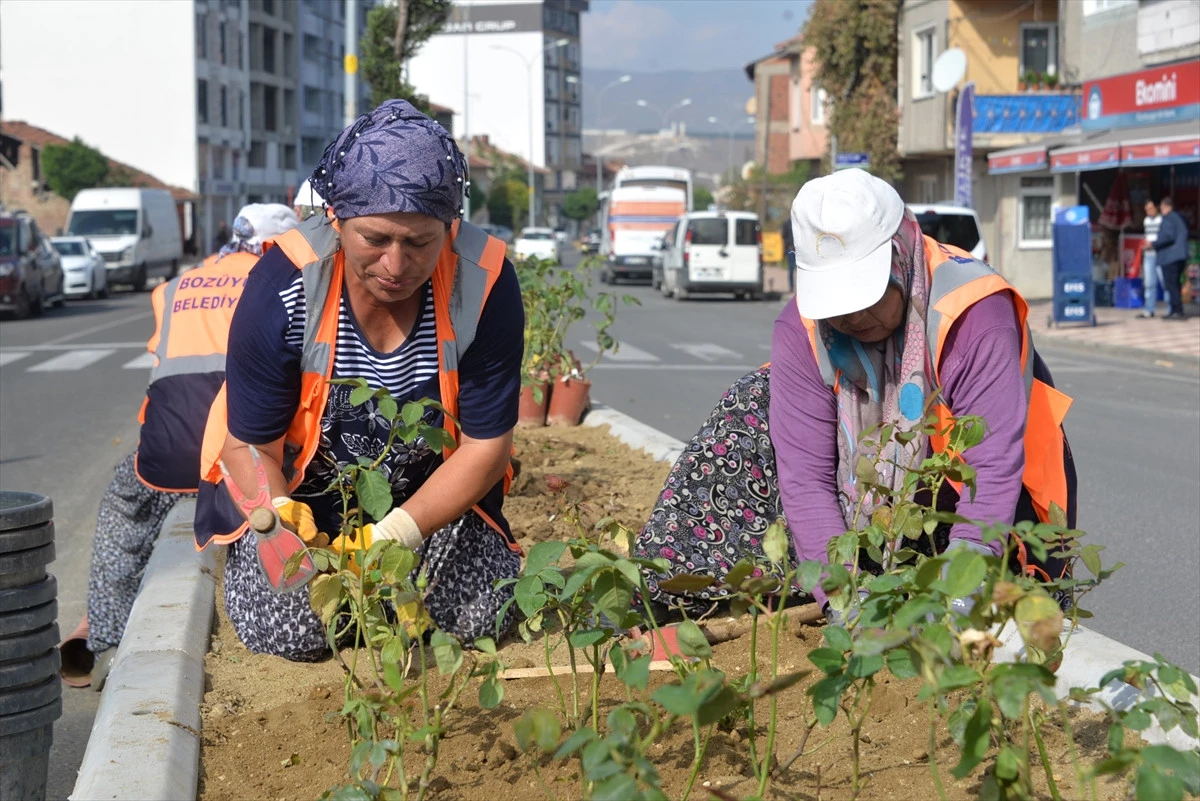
[
  {"x": 1005, "y": 41},
  {"x": 495, "y": 60},
  {"x": 772, "y": 106}
]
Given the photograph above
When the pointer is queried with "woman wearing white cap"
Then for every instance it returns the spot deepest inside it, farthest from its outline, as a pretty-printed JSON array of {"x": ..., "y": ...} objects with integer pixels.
[{"x": 884, "y": 319}]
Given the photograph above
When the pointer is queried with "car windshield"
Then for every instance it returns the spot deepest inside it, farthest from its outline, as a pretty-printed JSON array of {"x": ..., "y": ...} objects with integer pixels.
[
  {"x": 958, "y": 230},
  {"x": 104, "y": 222},
  {"x": 536, "y": 235},
  {"x": 711, "y": 231},
  {"x": 8, "y": 238},
  {"x": 69, "y": 248}
]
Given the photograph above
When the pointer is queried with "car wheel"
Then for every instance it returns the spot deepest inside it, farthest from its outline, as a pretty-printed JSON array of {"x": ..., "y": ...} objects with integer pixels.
[
  {"x": 102, "y": 293},
  {"x": 139, "y": 279},
  {"x": 37, "y": 307},
  {"x": 655, "y": 281},
  {"x": 23, "y": 305}
]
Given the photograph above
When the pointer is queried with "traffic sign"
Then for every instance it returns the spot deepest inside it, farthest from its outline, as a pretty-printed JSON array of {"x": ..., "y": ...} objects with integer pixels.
[{"x": 847, "y": 160}]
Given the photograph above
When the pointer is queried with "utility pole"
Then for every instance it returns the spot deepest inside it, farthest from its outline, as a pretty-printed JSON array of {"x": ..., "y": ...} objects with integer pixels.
[
  {"x": 350, "y": 87},
  {"x": 762, "y": 201},
  {"x": 401, "y": 28}
]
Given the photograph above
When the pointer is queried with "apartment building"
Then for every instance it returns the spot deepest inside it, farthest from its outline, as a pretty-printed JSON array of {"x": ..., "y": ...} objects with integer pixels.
[{"x": 511, "y": 68}]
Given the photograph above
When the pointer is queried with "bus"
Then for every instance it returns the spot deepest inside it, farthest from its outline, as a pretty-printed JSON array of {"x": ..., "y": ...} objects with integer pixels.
[
  {"x": 633, "y": 220},
  {"x": 673, "y": 177}
]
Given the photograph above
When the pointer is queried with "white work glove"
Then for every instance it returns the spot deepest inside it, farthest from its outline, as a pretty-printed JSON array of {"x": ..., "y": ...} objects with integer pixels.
[{"x": 398, "y": 526}]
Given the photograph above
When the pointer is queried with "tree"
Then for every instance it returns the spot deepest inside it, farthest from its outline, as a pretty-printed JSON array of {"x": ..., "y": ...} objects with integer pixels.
[
  {"x": 72, "y": 167},
  {"x": 856, "y": 52},
  {"x": 702, "y": 198},
  {"x": 581, "y": 204},
  {"x": 508, "y": 198},
  {"x": 381, "y": 66}
]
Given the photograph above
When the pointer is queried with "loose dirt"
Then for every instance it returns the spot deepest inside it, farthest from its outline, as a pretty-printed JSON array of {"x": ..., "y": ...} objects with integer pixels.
[{"x": 271, "y": 728}]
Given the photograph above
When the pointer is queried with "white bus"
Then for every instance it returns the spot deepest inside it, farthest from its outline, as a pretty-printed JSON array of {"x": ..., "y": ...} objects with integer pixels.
[
  {"x": 673, "y": 177},
  {"x": 633, "y": 220}
]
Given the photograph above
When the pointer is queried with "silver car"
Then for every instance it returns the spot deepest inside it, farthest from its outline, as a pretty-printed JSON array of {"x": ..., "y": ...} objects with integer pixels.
[{"x": 83, "y": 267}]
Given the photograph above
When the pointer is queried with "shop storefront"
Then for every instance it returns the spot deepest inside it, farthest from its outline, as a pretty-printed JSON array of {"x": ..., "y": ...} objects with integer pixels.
[{"x": 1139, "y": 140}]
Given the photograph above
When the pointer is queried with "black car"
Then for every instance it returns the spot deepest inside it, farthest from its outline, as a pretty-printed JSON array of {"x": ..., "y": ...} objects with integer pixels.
[{"x": 31, "y": 273}]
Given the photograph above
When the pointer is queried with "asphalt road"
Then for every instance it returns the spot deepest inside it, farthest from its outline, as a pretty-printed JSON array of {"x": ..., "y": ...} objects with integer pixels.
[
  {"x": 68, "y": 414},
  {"x": 1134, "y": 429}
]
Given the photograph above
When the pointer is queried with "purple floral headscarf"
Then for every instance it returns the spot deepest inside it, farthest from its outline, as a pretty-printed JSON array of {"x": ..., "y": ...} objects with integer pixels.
[{"x": 393, "y": 159}]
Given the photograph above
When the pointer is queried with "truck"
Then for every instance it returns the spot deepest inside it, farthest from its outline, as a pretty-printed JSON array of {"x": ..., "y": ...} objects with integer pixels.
[
  {"x": 136, "y": 230},
  {"x": 633, "y": 222}
]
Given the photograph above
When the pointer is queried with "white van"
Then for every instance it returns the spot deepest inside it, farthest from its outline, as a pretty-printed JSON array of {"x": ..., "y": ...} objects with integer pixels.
[
  {"x": 952, "y": 225},
  {"x": 713, "y": 251},
  {"x": 135, "y": 230}
]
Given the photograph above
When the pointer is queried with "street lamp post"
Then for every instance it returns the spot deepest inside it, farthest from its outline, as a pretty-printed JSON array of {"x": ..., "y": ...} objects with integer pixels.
[
  {"x": 528, "y": 62},
  {"x": 600, "y": 122},
  {"x": 687, "y": 101},
  {"x": 729, "y": 132}
]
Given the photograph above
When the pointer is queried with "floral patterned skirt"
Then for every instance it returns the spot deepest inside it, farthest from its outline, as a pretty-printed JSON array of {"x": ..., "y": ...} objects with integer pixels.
[{"x": 719, "y": 499}]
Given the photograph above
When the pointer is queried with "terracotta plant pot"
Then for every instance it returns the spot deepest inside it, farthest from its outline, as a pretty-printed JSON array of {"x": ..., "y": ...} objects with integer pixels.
[
  {"x": 568, "y": 401},
  {"x": 531, "y": 412}
]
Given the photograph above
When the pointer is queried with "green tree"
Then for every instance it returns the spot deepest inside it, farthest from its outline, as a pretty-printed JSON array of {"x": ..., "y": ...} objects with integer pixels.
[
  {"x": 72, "y": 167},
  {"x": 508, "y": 197},
  {"x": 701, "y": 198},
  {"x": 581, "y": 204},
  {"x": 856, "y": 50},
  {"x": 378, "y": 62}
]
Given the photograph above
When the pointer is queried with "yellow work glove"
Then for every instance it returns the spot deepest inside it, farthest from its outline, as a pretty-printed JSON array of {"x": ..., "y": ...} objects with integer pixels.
[{"x": 297, "y": 518}]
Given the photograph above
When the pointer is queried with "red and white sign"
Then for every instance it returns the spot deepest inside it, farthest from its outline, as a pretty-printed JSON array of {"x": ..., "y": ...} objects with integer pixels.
[
  {"x": 1131, "y": 262},
  {"x": 1034, "y": 159},
  {"x": 1161, "y": 94},
  {"x": 1165, "y": 151},
  {"x": 1085, "y": 158}
]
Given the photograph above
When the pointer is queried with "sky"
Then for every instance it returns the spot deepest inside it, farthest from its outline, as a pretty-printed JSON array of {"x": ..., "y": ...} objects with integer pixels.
[{"x": 656, "y": 35}]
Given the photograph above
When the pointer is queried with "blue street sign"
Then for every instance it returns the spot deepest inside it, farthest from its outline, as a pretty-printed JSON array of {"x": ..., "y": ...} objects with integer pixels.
[{"x": 844, "y": 160}]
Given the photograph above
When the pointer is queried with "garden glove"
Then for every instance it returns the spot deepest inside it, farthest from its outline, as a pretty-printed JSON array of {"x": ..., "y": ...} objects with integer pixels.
[
  {"x": 297, "y": 518},
  {"x": 964, "y": 605},
  {"x": 397, "y": 525}
]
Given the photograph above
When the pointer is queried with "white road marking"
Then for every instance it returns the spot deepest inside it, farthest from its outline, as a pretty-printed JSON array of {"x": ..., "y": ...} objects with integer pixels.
[
  {"x": 10, "y": 356},
  {"x": 80, "y": 346},
  {"x": 625, "y": 353},
  {"x": 143, "y": 362},
  {"x": 71, "y": 360},
  {"x": 100, "y": 327},
  {"x": 706, "y": 351}
]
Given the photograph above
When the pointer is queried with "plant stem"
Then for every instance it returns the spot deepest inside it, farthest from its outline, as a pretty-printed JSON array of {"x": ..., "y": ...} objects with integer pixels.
[
  {"x": 799, "y": 752},
  {"x": 777, "y": 623},
  {"x": 537, "y": 771},
  {"x": 562, "y": 701},
  {"x": 574, "y": 684},
  {"x": 698, "y": 759},
  {"x": 597, "y": 665},
  {"x": 1026, "y": 769},
  {"x": 933, "y": 765},
  {"x": 1080, "y": 778},
  {"x": 752, "y": 733},
  {"x": 1037, "y": 737}
]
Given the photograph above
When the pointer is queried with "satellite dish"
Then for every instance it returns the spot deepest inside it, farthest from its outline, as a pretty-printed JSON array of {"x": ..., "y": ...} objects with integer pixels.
[{"x": 949, "y": 69}]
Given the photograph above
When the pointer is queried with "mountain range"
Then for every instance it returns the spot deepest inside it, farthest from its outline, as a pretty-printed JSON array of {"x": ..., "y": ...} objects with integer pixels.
[{"x": 719, "y": 93}]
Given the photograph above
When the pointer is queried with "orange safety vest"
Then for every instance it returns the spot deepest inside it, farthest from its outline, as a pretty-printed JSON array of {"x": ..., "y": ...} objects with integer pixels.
[
  {"x": 192, "y": 314},
  {"x": 957, "y": 282},
  {"x": 467, "y": 269}
]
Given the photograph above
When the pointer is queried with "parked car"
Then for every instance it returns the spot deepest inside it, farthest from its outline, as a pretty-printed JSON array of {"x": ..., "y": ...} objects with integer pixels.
[
  {"x": 591, "y": 241},
  {"x": 560, "y": 235},
  {"x": 952, "y": 225},
  {"x": 136, "y": 230},
  {"x": 538, "y": 242},
  {"x": 83, "y": 266},
  {"x": 501, "y": 232},
  {"x": 31, "y": 273},
  {"x": 713, "y": 251}
]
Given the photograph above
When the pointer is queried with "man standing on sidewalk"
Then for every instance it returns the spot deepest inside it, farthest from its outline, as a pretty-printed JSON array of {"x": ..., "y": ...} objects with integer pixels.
[
  {"x": 1151, "y": 271},
  {"x": 1171, "y": 249}
]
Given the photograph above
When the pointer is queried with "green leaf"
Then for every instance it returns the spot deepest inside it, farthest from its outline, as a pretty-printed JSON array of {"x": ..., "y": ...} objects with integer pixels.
[
  {"x": 573, "y": 743},
  {"x": 1116, "y": 738},
  {"x": 686, "y": 582},
  {"x": 846, "y": 546},
  {"x": 543, "y": 555},
  {"x": 900, "y": 663},
  {"x": 1153, "y": 785},
  {"x": 677, "y": 699},
  {"x": 530, "y": 594},
  {"x": 391, "y": 656},
  {"x": 374, "y": 493},
  {"x": 826, "y": 695},
  {"x": 1137, "y": 719},
  {"x": 976, "y": 740},
  {"x": 325, "y": 596},
  {"x": 740, "y": 572},
  {"x": 487, "y": 645},
  {"x": 611, "y": 595},
  {"x": 491, "y": 692},
  {"x": 957, "y": 676},
  {"x": 1185, "y": 765},
  {"x": 779, "y": 684},
  {"x": 827, "y": 660},
  {"x": 930, "y": 571},
  {"x": 619, "y": 787},
  {"x": 636, "y": 674},
  {"x": 586, "y": 638},
  {"x": 775, "y": 543},
  {"x": 1090, "y": 554},
  {"x": 692, "y": 641},
  {"x": 361, "y": 394},
  {"x": 810, "y": 574},
  {"x": 387, "y": 407},
  {"x": 862, "y": 667},
  {"x": 876, "y": 642},
  {"x": 447, "y": 650},
  {"x": 1008, "y": 764},
  {"x": 537, "y": 728},
  {"x": 412, "y": 413},
  {"x": 1013, "y": 683},
  {"x": 838, "y": 638},
  {"x": 966, "y": 572},
  {"x": 718, "y": 705}
]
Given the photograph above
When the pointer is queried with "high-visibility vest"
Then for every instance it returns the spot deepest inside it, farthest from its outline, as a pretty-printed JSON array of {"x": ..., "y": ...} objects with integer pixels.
[
  {"x": 192, "y": 314},
  {"x": 957, "y": 282},
  {"x": 467, "y": 270}
]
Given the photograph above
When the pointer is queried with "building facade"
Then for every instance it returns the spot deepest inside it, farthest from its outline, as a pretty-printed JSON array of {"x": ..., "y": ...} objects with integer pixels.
[{"x": 494, "y": 59}]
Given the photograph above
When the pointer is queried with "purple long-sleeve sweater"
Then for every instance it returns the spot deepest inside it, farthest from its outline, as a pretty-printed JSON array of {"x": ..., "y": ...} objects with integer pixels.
[{"x": 980, "y": 374}]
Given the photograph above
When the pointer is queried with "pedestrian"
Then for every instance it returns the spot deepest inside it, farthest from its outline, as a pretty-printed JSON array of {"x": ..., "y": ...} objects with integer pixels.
[
  {"x": 395, "y": 288},
  {"x": 1170, "y": 247},
  {"x": 192, "y": 314},
  {"x": 883, "y": 318},
  {"x": 222, "y": 236},
  {"x": 1151, "y": 271},
  {"x": 789, "y": 256}
]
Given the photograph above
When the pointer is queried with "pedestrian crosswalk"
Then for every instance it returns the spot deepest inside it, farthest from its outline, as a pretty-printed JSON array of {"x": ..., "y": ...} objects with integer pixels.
[{"x": 62, "y": 360}]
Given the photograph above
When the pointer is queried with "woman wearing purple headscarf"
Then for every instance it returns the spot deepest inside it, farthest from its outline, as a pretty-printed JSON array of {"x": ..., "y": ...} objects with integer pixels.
[{"x": 392, "y": 185}]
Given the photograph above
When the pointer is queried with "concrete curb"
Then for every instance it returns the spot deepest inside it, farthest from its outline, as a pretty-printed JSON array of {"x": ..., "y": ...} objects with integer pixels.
[
  {"x": 1089, "y": 654},
  {"x": 1122, "y": 351},
  {"x": 145, "y": 741}
]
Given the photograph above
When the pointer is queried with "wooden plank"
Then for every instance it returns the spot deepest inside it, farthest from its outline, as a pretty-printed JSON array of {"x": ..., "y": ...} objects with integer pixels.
[{"x": 560, "y": 670}]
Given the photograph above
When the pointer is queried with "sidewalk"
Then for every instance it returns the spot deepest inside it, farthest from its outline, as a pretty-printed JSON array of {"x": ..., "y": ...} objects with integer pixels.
[{"x": 1121, "y": 330}]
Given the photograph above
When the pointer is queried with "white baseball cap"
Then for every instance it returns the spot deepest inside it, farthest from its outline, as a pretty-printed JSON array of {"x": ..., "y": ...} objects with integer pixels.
[{"x": 843, "y": 225}]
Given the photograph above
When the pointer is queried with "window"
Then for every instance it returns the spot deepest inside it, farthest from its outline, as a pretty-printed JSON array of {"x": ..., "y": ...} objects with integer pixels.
[
  {"x": 268, "y": 50},
  {"x": 571, "y": 118},
  {"x": 224, "y": 107},
  {"x": 571, "y": 51},
  {"x": 817, "y": 100},
  {"x": 1098, "y": 6},
  {"x": 1039, "y": 48},
  {"x": 552, "y": 126},
  {"x": 289, "y": 55},
  {"x": 202, "y": 161},
  {"x": 552, "y": 56},
  {"x": 552, "y": 151},
  {"x": 242, "y": 110},
  {"x": 708, "y": 231},
  {"x": 924, "y": 52},
  {"x": 218, "y": 162},
  {"x": 270, "y": 108},
  {"x": 1036, "y": 198},
  {"x": 258, "y": 154},
  {"x": 927, "y": 188},
  {"x": 235, "y": 159},
  {"x": 312, "y": 100},
  {"x": 311, "y": 150},
  {"x": 289, "y": 108},
  {"x": 202, "y": 100},
  {"x": 202, "y": 36},
  {"x": 312, "y": 47},
  {"x": 256, "y": 106},
  {"x": 256, "y": 35},
  {"x": 745, "y": 232},
  {"x": 572, "y": 82},
  {"x": 221, "y": 42},
  {"x": 289, "y": 157},
  {"x": 268, "y": 7},
  {"x": 551, "y": 84},
  {"x": 240, "y": 63}
]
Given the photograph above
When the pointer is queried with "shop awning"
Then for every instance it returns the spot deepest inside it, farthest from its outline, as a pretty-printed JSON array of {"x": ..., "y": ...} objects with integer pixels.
[
  {"x": 1085, "y": 157},
  {"x": 1129, "y": 147},
  {"x": 1017, "y": 159}
]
